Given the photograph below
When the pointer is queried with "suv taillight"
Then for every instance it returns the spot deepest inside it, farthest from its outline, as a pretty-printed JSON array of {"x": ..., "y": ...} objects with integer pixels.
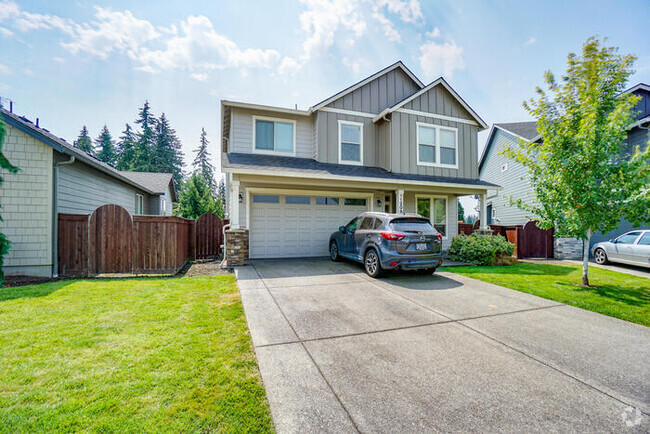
[
  {"x": 392, "y": 236},
  {"x": 439, "y": 236}
]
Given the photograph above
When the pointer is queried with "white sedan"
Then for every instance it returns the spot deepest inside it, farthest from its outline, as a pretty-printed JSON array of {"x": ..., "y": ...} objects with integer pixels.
[{"x": 630, "y": 248}]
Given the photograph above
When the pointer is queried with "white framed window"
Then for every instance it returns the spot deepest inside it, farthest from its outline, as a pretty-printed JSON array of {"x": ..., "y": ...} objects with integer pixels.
[
  {"x": 504, "y": 167},
  {"x": 163, "y": 206},
  {"x": 436, "y": 145},
  {"x": 435, "y": 209},
  {"x": 274, "y": 136},
  {"x": 139, "y": 203},
  {"x": 350, "y": 142}
]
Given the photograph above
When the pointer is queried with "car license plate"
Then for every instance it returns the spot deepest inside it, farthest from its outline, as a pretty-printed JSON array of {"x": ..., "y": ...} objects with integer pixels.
[{"x": 421, "y": 246}]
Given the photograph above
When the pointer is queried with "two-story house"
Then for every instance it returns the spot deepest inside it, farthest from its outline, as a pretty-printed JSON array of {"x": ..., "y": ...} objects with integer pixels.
[
  {"x": 514, "y": 177},
  {"x": 387, "y": 143}
]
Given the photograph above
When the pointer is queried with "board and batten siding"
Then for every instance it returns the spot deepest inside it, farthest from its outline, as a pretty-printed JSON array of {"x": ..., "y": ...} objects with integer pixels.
[
  {"x": 328, "y": 137},
  {"x": 27, "y": 205},
  {"x": 515, "y": 181},
  {"x": 82, "y": 189},
  {"x": 383, "y": 92},
  {"x": 241, "y": 137}
]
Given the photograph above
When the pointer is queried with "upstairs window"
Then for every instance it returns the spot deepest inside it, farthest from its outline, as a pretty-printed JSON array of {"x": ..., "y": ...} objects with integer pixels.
[
  {"x": 437, "y": 146},
  {"x": 350, "y": 142},
  {"x": 274, "y": 136}
]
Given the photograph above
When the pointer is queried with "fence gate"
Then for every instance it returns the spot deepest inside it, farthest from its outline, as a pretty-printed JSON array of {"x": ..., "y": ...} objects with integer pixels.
[
  {"x": 110, "y": 240},
  {"x": 209, "y": 236},
  {"x": 534, "y": 242}
]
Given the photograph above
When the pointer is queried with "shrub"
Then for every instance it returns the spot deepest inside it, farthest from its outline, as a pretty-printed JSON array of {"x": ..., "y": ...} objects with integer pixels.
[{"x": 480, "y": 249}]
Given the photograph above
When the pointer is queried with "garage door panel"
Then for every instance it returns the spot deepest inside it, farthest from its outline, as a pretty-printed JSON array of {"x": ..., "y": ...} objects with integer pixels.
[{"x": 296, "y": 230}]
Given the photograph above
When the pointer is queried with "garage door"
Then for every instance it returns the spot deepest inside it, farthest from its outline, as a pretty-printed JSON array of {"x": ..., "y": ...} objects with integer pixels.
[{"x": 283, "y": 226}]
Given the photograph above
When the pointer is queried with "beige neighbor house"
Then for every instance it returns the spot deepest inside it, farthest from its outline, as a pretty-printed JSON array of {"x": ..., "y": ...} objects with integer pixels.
[
  {"x": 57, "y": 178},
  {"x": 387, "y": 143}
]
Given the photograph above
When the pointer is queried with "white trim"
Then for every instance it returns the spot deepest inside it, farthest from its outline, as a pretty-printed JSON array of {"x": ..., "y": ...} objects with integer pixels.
[
  {"x": 642, "y": 86},
  {"x": 324, "y": 175},
  {"x": 251, "y": 106},
  {"x": 436, "y": 116},
  {"x": 274, "y": 152},
  {"x": 639, "y": 122},
  {"x": 437, "y": 145},
  {"x": 354, "y": 87},
  {"x": 431, "y": 198},
  {"x": 348, "y": 112},
  {"x": 355, "y": 124},
  {"x": 425, "y": 90}
]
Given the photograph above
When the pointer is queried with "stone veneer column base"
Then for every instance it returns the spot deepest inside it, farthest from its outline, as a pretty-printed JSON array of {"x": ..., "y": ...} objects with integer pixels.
[
  {"x": 567, "y": 248},
  {"x": 236, "y": 247}
]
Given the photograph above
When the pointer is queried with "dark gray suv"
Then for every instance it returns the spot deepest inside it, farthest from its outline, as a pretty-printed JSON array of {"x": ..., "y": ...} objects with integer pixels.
[{"x": 388, "y": 241}]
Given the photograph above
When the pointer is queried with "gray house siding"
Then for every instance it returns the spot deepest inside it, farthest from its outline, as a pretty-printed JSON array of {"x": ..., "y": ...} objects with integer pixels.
[
  {"x": 241, "y": 137},
  {"x": 328, "y": 137},
  {"x": 637, "y": 137},
  {"x": 642, "y": 108},
  {"x": 515, "y": 181},
  {"x": 438, "y": 100},
  {"x": 82, "y": 189},
  {"x": 382, "y": 92}
]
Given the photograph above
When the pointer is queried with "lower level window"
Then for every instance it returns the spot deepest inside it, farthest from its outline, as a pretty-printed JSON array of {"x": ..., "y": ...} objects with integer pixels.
[{"x": 435, "y": 209}]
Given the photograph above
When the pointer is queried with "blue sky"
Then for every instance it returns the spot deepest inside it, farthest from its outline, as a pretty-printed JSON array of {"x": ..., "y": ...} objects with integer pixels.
[{"x": 72, "y": 63}]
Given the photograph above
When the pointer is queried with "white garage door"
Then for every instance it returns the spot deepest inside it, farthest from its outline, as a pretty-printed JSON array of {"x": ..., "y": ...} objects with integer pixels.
[{"x": 283, "y": 226}]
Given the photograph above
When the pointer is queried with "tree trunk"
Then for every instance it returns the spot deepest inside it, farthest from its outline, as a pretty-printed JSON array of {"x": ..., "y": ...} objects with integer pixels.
[{"x": 585, "y": 258}]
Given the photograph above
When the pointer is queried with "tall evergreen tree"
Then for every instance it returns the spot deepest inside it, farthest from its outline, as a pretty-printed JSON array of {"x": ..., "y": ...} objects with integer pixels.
[
  {"x": 195, "y": 199},
  {"x": 106, "y": 148},
  {"x": 146, "y": 141},
  {"x": 126, "y": 149},
  {"x": 221, "y": 193},
  {"x": 84, "y": 142},
  {"x": 202, "y": 163},
  {"x": 168, "y": 156}
]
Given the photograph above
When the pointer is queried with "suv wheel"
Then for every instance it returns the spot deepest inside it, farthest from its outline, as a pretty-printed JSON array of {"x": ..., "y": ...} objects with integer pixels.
[
  {"x": 600, "y": 256},
  {"x": 334, "y": 252},
  {"x": 371, "y": 263}
]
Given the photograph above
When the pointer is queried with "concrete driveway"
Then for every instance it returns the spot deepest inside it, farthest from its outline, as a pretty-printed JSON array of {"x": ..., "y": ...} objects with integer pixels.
[{"x": 340, "y": 352}]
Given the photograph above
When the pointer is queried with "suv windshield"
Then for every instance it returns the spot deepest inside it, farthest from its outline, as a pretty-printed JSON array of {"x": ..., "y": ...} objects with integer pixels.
[{"x": 412, "y": 225}]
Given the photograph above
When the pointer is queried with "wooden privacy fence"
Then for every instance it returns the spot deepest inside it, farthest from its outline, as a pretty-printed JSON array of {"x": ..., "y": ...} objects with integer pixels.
[
  {"x": 529, "y": 240},
  {"x": 112, "y": 241}
]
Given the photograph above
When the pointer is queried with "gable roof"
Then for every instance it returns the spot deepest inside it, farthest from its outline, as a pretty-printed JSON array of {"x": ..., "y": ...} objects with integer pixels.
[
  {"x": 156, "y": 182},
  {"x": 440, "y": 81},
  {"x": 367, "y": 80},
  {"x": 640, "y": 86},
  {"x": 523, "y": 130},
  {"x": 41, "y": 134}
]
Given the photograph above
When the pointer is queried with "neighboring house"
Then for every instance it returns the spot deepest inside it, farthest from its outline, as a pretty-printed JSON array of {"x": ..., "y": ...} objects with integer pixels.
[
  {"x": 387, "y": 143},
  {"x": 514, "y": 177},
  {"x": 57, "y": 178}
]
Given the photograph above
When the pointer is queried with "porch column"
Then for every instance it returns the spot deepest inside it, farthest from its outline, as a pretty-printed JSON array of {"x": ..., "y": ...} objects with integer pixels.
[
  {"x": 234, "y": 204},
  {"x": 483, "y": 214},
  {"x": 399, "y": 201}
]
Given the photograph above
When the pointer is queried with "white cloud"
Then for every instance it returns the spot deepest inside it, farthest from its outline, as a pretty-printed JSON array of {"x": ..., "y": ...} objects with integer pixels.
[
  {"x": 8, "y": 10},
  {"x": 353, "y": 65},
  {"x": 409, "y": 11},
  {"x": 5, "y": 70},
  {"x": 200, "y": 76},
  {"x": 441, "y": 58},
  {"x": 387, "y": 26},
  {"x": 433, "y": 34},
  {"x": 6, "y": 32},
  {"x": 58, "y": 59},
  {"x": 530, "y": 41}
]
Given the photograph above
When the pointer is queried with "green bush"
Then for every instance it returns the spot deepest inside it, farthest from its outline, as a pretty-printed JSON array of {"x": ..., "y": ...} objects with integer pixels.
[{"x": 479, "y": 249}]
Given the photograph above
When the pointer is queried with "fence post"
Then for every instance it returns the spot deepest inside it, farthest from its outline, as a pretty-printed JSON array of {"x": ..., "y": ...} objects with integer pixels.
[{"x": 192, "y": 240}]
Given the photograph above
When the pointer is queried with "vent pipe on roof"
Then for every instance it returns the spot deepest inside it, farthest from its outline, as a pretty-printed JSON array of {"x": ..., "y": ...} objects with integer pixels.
[
  {"x": 36, "y": 122},
  {"x": 11, "y": 106}
]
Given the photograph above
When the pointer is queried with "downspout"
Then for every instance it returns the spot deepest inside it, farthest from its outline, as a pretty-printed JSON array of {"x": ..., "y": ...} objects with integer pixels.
[
  {"x": 55, "y": 214},
  {"x": 223, "y": 230}
]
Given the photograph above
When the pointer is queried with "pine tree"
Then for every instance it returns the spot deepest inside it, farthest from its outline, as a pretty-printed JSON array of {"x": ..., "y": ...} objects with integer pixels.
[
  {"x": 168, "y": 157},
  {"x": 83, "y": 142},
  {"x": 104, "y": 143},
  {"x": 195, "y": 199},
  {"x": 126, "y": 149},
  {"x": 146, "y": 141},
  {"x": 202, "y": 163},
  {"x": 221, "y": 194}
]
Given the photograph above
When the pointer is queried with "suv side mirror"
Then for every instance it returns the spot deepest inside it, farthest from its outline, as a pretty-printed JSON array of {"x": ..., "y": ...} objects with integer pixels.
[
  {"x": 342, "y": 229},
  {"x": 613, "y": 241}
]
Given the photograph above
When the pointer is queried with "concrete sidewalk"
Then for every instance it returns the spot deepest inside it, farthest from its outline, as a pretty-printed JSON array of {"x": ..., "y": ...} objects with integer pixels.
[{"x": 340, "y": 352}]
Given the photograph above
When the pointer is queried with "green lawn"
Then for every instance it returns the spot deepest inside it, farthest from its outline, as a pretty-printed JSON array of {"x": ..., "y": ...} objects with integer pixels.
[
  {"x": 128, "y": 356},
  {"x": 617, "y": 294}
]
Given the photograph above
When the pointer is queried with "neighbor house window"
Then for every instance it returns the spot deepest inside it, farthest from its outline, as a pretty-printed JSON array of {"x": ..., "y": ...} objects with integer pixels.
[
  {"x": 274, "y": 135},
  {"x": 350, "y": 142},
  {"x": 435, "y": 209},
  {"x": 437, "y": 145},
  {"x": 139, "y": 204},
  {"x": 163, "y": 206}
]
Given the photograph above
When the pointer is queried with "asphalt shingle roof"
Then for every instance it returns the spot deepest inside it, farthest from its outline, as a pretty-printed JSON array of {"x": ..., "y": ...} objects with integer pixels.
[
  {"x": 313, "y": 167},
  {"x": 527, "y": 130},
  {"x": 155, "y": 182}
]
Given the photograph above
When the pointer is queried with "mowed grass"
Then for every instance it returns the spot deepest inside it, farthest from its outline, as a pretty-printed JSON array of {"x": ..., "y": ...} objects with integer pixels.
[
  {"x": 137, "y": 355},
  {"x": 616, "y": 294}
]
